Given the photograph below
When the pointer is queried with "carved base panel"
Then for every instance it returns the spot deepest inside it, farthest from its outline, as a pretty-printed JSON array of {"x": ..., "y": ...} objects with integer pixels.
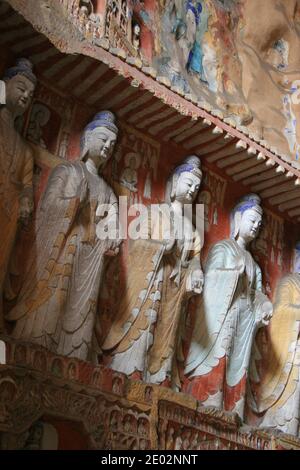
[{"x": 44, "y": 398}]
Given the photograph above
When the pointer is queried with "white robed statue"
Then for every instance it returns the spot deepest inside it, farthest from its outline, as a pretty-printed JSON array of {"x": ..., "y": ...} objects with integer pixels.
[{"x": 232, "y": 308}]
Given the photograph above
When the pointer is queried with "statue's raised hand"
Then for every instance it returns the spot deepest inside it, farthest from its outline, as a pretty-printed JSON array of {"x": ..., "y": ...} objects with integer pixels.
[
  {"x": 195, "y": 280},
  {"x": 265, "y": 313},
  {"x": 114, "y": 247}
]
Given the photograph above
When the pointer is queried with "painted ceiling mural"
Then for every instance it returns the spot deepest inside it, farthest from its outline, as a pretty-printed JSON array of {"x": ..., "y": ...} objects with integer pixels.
[{"x": 240, "y": 57}]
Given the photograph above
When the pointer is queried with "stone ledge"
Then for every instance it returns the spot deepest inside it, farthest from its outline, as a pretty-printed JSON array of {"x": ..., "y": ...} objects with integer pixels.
[{"x": 116, "y": 413}]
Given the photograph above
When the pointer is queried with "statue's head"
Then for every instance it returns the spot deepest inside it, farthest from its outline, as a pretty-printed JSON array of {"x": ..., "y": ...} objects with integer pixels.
[
  {"x": 296, "y": 258},
  {"x": 184, "y": 182},
  {"x": 246, "y": 218},
  {"x": 20, "y": 83},
  {"x": 99, "y": 137}
]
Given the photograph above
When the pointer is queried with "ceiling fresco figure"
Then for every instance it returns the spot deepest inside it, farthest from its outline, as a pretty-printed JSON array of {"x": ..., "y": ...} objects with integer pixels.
[{"x": 239, "y": 62}]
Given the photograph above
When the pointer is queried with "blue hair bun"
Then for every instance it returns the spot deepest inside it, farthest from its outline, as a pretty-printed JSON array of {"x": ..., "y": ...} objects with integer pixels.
[
  {"x": 22, "y": 67},
  {"x": 191, "y": 164},
  {"x": 103, "y": 119},
  {"x": 248, "y": 202}
]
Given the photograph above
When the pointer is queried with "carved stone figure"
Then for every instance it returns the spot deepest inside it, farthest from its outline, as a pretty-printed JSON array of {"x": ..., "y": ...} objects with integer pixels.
[
  {"x": 84, "y": 12},
  {"x": 87, "y": 4},
  {"x": 163, "y": 271},
  {"x": 279, "y": 389},
  {"x": 232, "y": 309},
  {"x": 58, "y": 302},
  {"x": 136, "y": 36},
  {"x": 129, "y": 178},
  {"x": 16, "y": 164}
]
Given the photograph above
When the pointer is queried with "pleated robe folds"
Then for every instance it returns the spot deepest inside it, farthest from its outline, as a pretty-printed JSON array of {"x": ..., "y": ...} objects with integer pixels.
[{"x": 58, "y": 302}]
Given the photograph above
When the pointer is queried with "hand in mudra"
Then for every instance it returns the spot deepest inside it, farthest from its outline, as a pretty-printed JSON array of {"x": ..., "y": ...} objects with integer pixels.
[
  {"x": 195, "y": 281},
  {"x": 266, "y": 313},
  {"x": 114, "y": 248}
]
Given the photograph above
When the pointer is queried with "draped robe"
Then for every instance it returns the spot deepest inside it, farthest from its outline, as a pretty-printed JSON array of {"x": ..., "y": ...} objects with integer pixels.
[
  {"x": 278, "y": 394},
  {"x": 16, "y": 171},
  {"x": 229, "y": 315},
  {"x": 58, "y": 302},
  {"x": 145, "y": 335}
]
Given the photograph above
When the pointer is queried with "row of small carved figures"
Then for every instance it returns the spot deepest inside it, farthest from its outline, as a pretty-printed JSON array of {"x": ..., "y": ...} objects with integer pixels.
[{"x": 94, "y": 27}]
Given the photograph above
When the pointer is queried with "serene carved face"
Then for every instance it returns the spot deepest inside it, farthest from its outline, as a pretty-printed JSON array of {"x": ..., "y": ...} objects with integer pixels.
[
  {"x": 250, "y": 225},
  {"x": 19, "y": 92},
  {"x": 101, "y": 142},
  {"x": 187, "y": 188}
]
